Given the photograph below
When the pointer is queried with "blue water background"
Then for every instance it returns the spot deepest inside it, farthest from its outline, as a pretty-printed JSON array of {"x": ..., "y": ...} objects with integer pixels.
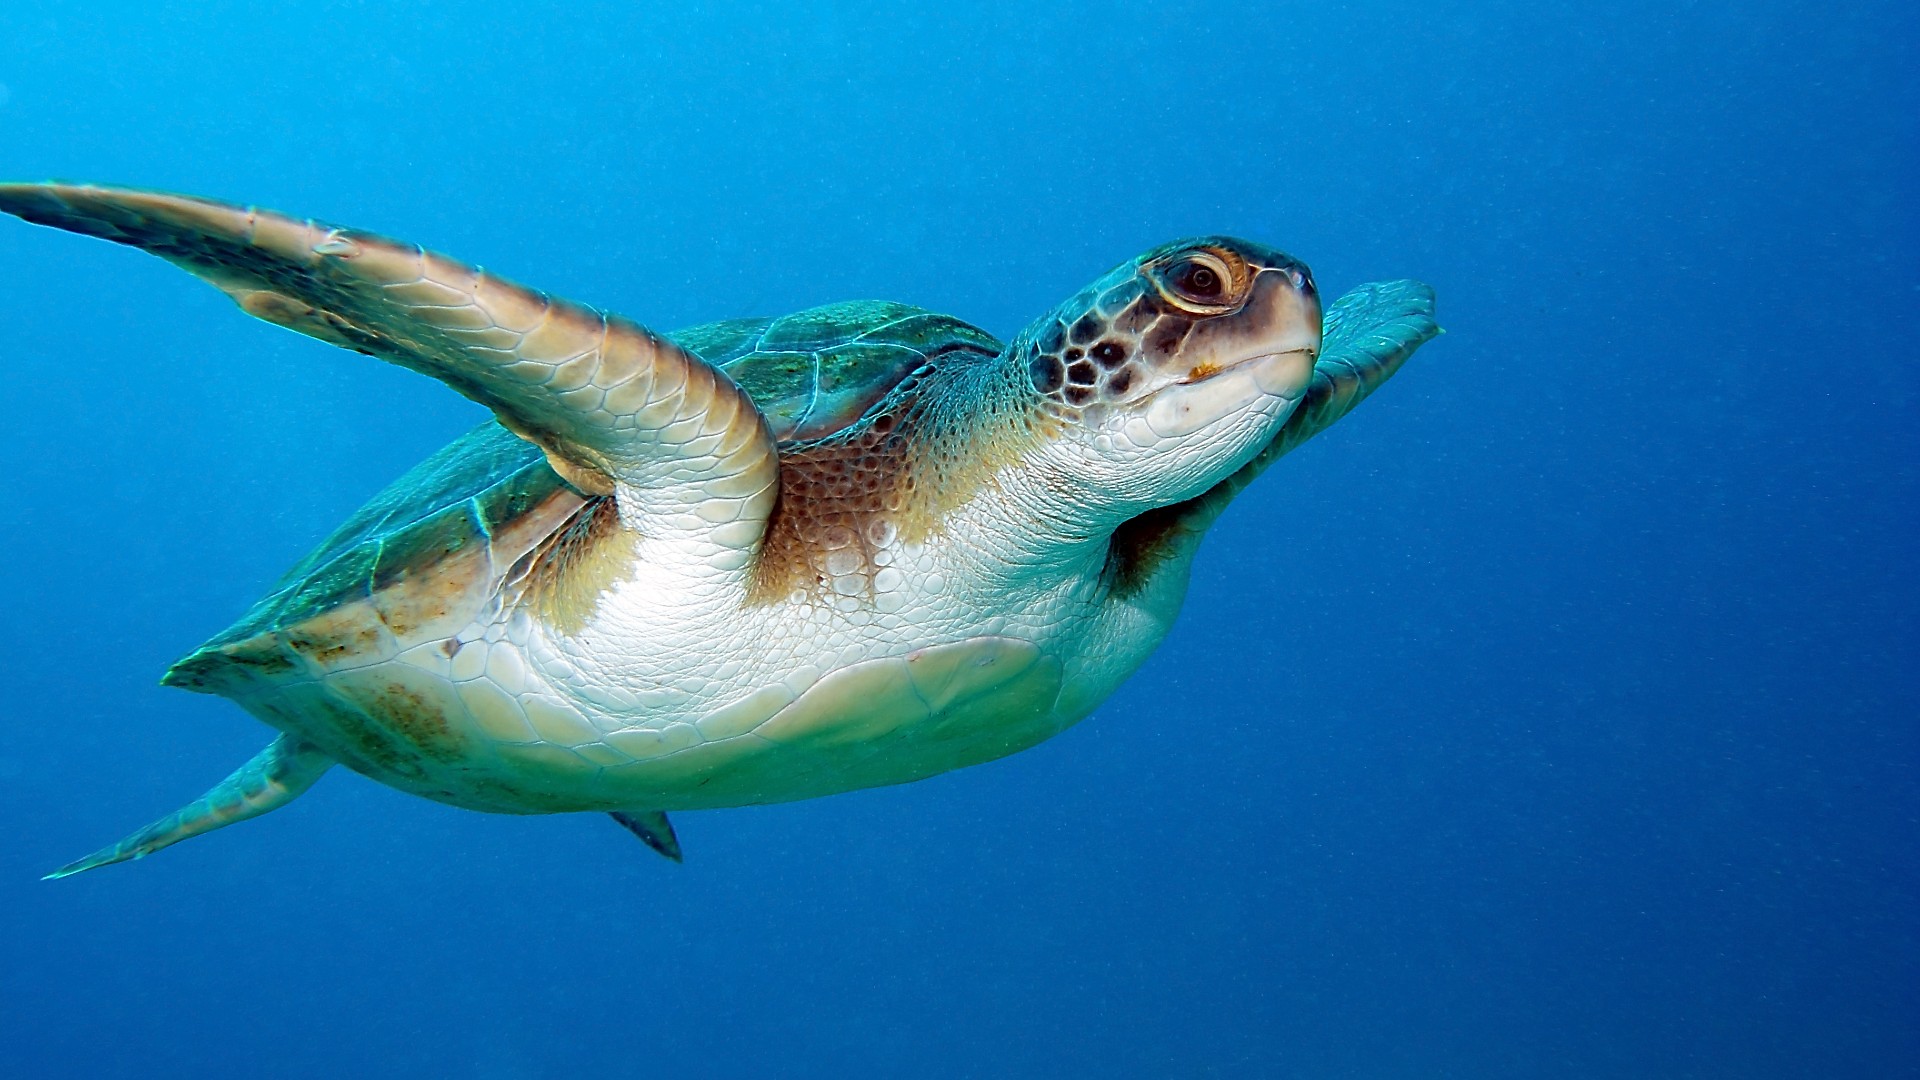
[{"x": 1553, "y": 715}]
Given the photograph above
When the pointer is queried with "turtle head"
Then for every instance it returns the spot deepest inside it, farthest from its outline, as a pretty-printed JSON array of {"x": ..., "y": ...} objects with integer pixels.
[{"x": 1167, "y": 374}]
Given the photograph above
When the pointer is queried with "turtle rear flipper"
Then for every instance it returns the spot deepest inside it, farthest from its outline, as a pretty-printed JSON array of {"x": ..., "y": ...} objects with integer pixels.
[
  {"x": 275, "y": 777},
  {"x": 653, "y": 829}
]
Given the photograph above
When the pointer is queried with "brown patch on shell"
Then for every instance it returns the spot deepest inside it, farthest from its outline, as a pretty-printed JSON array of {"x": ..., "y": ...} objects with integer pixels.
[
  {"x": 407, "y": 714},
  {"x": 432, "y": 600},
  {"x": 336, "y": 637},
  {"x": 364, "y": 744}
]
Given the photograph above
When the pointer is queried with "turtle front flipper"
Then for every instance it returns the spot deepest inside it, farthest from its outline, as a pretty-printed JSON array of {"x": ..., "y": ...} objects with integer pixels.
[
  {"x": 612, "y": 404},
  {"x": 275, "y": 777}
]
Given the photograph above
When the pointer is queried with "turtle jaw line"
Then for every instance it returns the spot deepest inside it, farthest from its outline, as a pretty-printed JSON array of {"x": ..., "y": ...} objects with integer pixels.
[
  {"x": 1205, "y": 373},
  {"x": 1261, "y": 383},
  {"x": 1202, "y": 372}
]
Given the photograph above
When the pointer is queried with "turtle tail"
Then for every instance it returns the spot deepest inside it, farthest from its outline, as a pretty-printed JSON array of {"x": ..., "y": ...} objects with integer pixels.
[{"x": 275, "y": 777}]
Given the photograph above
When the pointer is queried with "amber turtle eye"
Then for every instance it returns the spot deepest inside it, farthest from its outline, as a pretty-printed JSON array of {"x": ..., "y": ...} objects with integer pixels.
[
  {"x": 1196, "y": 279},
  {"x": 1199, "y": 281}
]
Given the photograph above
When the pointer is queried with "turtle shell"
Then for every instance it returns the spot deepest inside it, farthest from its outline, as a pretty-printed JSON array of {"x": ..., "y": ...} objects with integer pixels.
[{"x": 421, "y": 559}]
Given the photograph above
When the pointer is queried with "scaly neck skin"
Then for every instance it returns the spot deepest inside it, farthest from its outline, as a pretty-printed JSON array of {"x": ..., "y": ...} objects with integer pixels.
[
  {"x": 1003, "y": 509},
  {"x": 1104, "y": 608},
  {"x": 1013, "y": 537}
]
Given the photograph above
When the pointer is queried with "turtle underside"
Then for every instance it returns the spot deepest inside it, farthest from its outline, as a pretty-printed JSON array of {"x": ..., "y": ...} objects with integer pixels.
[{"x": 431, "y": 554}]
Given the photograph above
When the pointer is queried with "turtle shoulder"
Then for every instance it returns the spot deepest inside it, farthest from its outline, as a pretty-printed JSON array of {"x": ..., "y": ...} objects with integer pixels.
[
  {"x": 851, "y": 378},
  {"x": 416, "y": 562},
  {"x": 814, "y": 372}
]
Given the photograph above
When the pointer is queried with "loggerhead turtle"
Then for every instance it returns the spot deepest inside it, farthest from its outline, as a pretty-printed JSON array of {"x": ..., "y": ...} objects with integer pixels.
[{"x": 750, "y": 562}]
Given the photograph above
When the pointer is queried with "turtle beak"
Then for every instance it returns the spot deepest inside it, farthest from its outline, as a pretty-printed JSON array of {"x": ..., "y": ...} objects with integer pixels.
[{"x": 1285, "y": 310}]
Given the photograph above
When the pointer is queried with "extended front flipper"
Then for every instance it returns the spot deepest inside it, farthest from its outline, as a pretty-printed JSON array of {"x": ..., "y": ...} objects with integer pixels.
[
  {"x": 653, "y": 829},
  {"x": 275, "y": 777},
  {"x": 616, "y": 408}
]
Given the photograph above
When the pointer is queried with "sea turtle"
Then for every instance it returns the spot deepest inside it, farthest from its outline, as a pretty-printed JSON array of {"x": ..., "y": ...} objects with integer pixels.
[{"x": 753, "y": 561}]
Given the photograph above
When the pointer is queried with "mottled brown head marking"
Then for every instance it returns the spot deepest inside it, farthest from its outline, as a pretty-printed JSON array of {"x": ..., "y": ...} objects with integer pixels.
[
  {"x": 1089, "y": 362},
  {"x": 1106, "y": 344}
]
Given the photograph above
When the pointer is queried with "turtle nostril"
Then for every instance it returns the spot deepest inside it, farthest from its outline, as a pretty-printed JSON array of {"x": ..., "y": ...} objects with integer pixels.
[{"x": 1302, "y": 279}]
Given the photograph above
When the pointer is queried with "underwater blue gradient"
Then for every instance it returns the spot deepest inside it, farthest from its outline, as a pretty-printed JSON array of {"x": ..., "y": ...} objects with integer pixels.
[{"x": 1556, "y": 714}]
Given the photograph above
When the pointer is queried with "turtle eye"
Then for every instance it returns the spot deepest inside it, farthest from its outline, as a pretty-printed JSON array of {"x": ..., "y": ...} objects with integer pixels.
[
  {"x": 1199, "y": 281},
  {"x": 1196, "y": 279}
]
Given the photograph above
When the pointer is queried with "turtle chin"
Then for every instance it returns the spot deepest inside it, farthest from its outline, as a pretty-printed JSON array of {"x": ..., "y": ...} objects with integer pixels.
[{"x": 1181, "y": 439}]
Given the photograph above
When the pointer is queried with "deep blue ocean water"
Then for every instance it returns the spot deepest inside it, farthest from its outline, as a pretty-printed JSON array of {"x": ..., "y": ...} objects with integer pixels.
[{"x": 1553, "y": 715}]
